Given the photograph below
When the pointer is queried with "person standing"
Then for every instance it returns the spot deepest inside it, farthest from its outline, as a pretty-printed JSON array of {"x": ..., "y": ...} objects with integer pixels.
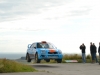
[
  {"x": 95, "y": 51},
  {"x": 92, "y": 52},
  {"x": 99, "y": 48},
  {"x": 83, "y": 47},
  {"x": 99, "y": 52}
]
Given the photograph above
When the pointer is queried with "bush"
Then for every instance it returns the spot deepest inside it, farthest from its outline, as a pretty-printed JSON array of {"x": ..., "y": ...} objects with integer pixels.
[{"x": 88, "y": 57}]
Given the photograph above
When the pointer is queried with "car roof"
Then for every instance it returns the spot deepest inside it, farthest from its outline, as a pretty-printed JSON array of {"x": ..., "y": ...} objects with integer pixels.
[{"x": 40, "y": 42}]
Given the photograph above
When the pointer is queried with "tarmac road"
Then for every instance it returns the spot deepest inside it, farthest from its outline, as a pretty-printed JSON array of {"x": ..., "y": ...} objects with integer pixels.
[
  {"x": 63, "y": 69},
  {"x": 70, "y": 68}
]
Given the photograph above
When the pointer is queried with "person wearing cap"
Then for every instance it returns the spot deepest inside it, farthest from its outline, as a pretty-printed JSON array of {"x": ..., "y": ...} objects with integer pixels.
[{"x": 82, "y": 48}]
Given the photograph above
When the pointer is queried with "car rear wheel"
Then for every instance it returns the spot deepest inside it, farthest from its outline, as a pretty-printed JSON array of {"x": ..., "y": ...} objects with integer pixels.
[
  {"x": 59, "y": 60},
  {"x": 36, "y": 58},
  {"x": 28, "y": 58}
]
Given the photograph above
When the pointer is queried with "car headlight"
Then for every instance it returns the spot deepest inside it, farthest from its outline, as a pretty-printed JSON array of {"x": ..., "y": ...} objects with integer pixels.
[
  {"x": 43, "y": 51},
  {"x": 60, "y": 52}
]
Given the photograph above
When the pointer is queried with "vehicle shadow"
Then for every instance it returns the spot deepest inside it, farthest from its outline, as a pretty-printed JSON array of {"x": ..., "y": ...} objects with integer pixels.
[{"x": 44, "y": 66}]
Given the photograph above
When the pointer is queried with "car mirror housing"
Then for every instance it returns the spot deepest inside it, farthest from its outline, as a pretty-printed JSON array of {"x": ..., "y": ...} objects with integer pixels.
[
  {"x": 29, "y": 45},
  {"x": 35, "y": 47}
]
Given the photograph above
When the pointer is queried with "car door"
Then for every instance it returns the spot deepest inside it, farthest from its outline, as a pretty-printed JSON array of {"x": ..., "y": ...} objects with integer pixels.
[
  {"x": 28, "y": 49},
  {"x": 33, "y": 50}
]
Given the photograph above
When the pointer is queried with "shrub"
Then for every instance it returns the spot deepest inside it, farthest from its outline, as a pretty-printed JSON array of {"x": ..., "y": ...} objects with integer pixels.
[{"x": 88, "y": 57}]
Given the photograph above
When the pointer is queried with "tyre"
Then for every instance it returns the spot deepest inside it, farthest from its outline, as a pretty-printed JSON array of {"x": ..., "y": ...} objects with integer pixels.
[
  {"x": 36, "y": 58},
  {"x": 59, "y": 60},
  {"x": 47, "y": 60},
  {"x": 28, "y": 58}
]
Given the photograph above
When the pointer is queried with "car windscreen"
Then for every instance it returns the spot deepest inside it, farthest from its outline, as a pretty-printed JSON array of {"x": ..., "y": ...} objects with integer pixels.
[{"x": 44, "y": 45}]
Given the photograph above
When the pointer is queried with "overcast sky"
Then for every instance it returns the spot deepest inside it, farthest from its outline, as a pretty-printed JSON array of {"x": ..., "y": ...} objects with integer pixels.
[{"x": 65, "y": 23}]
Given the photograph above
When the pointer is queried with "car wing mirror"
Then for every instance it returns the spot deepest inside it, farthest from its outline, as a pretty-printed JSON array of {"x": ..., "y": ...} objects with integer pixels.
[
  {"x": 29, "y": 45},
  {"x": 35, "y": 47}
]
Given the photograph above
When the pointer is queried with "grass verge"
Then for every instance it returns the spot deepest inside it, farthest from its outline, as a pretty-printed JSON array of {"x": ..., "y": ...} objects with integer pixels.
[{"x": 12, "y": 66}]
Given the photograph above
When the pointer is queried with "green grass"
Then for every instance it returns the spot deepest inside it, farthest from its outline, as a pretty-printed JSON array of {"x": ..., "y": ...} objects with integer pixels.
[
  {"x": 12, "y": 66},
  {"x": 77, "y": 57},
  {"x": 72, "y": 57}
]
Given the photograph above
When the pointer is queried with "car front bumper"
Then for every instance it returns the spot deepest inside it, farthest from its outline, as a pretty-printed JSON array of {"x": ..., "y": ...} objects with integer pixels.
[{"x": 50, "y": 56}]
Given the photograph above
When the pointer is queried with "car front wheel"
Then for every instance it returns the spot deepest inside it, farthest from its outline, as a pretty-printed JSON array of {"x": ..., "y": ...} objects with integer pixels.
[
  {"x": 28, "y": 58},
  {"x": 36, "y": 58}
]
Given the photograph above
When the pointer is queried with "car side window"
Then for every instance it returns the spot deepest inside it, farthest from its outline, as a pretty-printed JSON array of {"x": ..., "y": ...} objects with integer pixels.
[
  {"x": 38, "y": 45},
  {"x": 33, "y": 45}
]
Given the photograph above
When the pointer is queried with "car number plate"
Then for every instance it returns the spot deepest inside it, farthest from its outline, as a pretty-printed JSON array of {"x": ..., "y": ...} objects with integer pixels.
[{"x": 53, "y": 56}]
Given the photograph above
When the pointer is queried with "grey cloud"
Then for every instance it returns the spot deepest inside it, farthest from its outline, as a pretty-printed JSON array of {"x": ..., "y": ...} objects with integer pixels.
[
  {"x": 12, "y": 8},
  {"x": 82, "y": 11},
  {"x": 24, "y": 29}
]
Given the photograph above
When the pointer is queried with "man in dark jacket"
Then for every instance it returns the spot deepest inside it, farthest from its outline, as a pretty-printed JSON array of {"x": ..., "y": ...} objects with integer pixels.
[
  {"x": 83, "y": 47},
  {"x": 92, "y": 52},
  {"x": 99, "y": 48},
  {"x": 95, "y": 51},
  {"x": 99, "y": 52}
]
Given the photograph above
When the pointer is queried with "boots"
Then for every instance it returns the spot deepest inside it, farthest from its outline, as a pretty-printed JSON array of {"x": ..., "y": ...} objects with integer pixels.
[{"x": 93, "y": 61}]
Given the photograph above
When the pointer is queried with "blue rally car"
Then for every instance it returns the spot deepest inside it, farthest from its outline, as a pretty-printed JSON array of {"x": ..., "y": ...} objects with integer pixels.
[{"x": 43, "y": 50}]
